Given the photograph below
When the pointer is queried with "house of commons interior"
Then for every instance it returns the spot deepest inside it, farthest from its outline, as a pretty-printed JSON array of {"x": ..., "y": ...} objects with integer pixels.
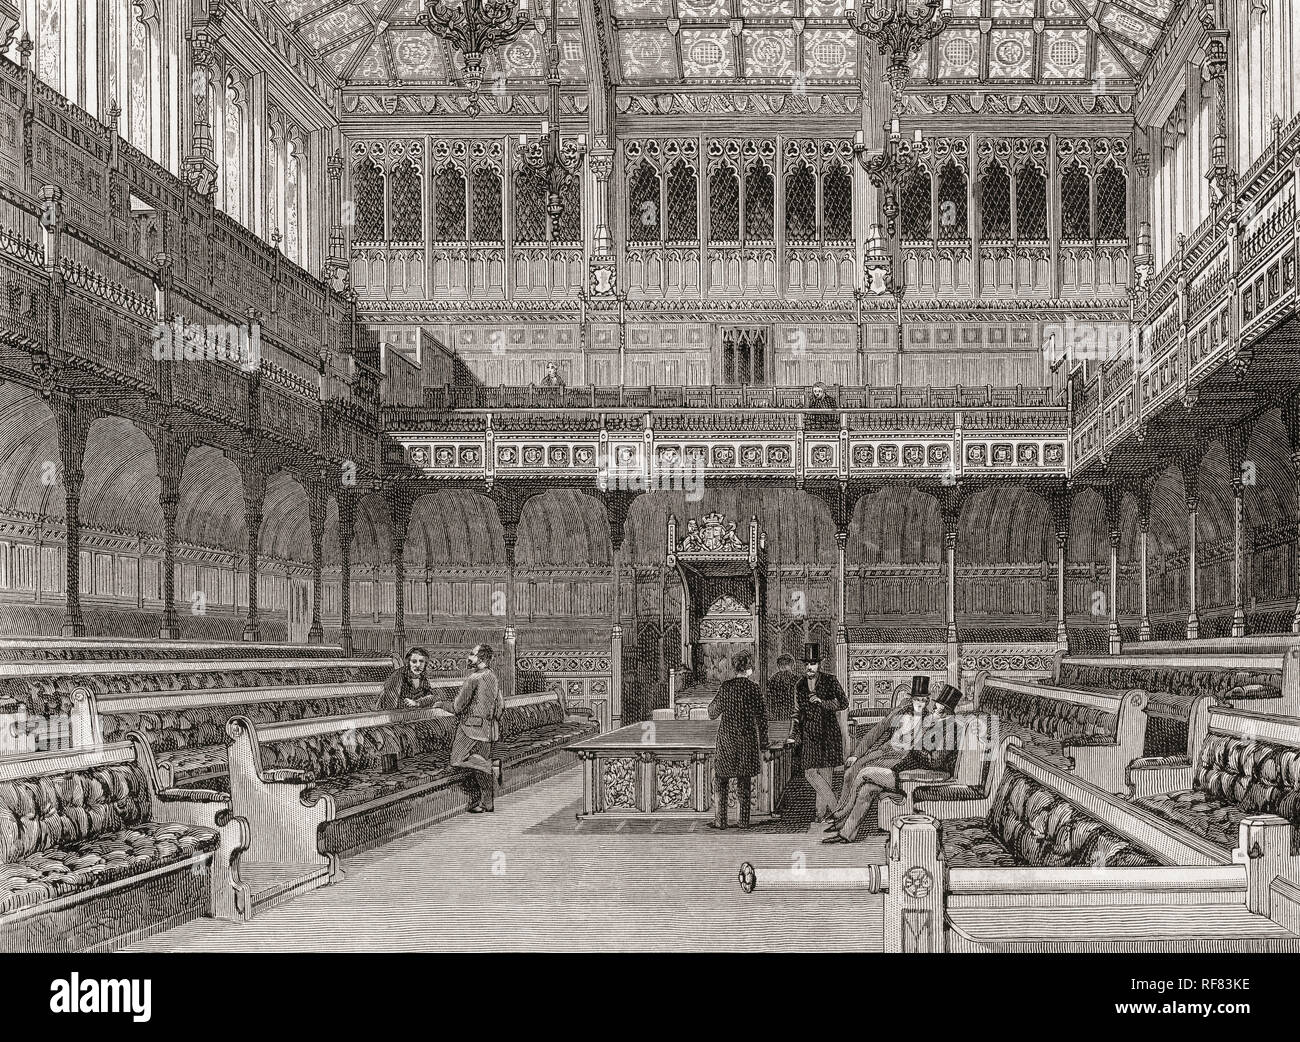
[{"x": 424, "y": 425}]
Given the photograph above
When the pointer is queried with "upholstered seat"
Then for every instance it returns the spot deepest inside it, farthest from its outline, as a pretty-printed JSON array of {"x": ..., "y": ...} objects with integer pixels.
[
  {"x": 186, "y": 764},
  {"x": 50, "y": 874},
  {"x": 64, "y": 833},
  {"x": 970, "y": 843},
  {"x": 363, "y": 786},
  {"x": 1030, "y": 824},
  {"x": 1215, "y": 820},
  {"x": 1177, "y": 680},
  {"x": 541, "y": 740},
  {"x": 201, "y": 727},
  {"x": 1040, "y": 718},
  {"x": 1234, "y": 777},
  {"x": 334, "y": 754}
]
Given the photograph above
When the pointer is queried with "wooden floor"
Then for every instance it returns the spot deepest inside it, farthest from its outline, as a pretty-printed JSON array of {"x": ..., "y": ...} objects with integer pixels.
[{"x": 530, "y": 877}]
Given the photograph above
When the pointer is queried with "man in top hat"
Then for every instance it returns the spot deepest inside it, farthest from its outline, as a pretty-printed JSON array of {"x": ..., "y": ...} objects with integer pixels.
[
  {"x": 932, "y": 746},
  {"x": 408, "y": 685},
  {"x": 884, "y": 745},
  {"x": 820, "y": 699},
  {"x": 742, "y": 737}
]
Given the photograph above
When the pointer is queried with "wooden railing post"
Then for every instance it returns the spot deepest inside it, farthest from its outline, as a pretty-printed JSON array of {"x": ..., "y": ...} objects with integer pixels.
[{"x": 915, "y": 898}]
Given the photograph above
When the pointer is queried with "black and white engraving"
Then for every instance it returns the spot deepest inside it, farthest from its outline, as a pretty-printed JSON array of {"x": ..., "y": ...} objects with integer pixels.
[{"x": 648, "y": 475}]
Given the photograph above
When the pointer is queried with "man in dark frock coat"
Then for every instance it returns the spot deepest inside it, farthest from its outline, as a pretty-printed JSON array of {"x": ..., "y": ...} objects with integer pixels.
[
  {"x": 821, "y": 698},
  {"x": 742, "y": 737}
]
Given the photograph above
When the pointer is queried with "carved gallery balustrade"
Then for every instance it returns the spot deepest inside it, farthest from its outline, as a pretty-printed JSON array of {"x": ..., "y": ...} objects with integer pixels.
[
  {"x": 1232, "y": 281},
  {"x": 637, "y": 450},
  {"x": 442, "y": 399},
  {"x": 126, "y": 255}
]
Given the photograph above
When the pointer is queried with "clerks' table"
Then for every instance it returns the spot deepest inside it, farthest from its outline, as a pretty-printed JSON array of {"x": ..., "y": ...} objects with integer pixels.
[{"x": 665, "y": 767}]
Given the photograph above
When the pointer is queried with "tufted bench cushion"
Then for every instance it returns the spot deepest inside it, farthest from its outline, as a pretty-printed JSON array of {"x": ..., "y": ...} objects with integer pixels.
[
  {"x": 1031, "y": 825},
  {"x": 336, "y": 754},
  {"x": 204, "y": 727},
  {"x": 1177, "y": 680},
  {"x": 542, "y": 740},
  {"x": 519, "y": 720},
  {"x": 1054, "y": 718},
  {"x": 1234, "y": 777},
  {"x": 103, "y": 683},
  {"x": 366, "y": 784},
  {"x": 66, "y": 833}
]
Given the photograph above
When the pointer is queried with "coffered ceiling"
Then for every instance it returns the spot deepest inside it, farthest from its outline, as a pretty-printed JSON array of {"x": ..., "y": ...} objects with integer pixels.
[{"x": 642, "y": 44}]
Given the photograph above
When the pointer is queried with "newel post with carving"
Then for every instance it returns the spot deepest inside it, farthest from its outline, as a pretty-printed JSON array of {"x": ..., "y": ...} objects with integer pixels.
[{"x": 915, "y": 897}]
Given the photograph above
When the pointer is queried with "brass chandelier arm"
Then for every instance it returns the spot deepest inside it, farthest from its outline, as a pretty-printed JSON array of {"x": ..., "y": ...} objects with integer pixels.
[
  {"x": 475, "y": 27},
  {"x": 903, "y": 28}
]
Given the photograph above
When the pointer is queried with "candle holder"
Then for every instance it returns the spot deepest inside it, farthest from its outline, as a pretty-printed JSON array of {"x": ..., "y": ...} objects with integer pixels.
[{"x": 888, "y": 169}]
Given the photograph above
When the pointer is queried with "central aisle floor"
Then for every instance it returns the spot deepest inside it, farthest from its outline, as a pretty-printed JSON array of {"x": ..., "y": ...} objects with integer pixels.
[{"x": 530, "y": 877}]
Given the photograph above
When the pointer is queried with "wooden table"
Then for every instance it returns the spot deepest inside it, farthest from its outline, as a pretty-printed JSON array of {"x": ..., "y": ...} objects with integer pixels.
[{"x": 664, "y": 768}]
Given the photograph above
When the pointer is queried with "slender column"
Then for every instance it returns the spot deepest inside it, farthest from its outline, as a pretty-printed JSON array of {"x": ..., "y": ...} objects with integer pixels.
[
  {"x": 347, "y": 527},
  {"x": 1113, "y": 500},
  {"x": 603, "y": 280},
  {"x": 616, "y": 636},
  {"x": 317, "y": 505},
  {"x": 1238, "y": 558},
  {"x": 616, "y": 676},
  {"x": 399, "y": 513},
  {"x": 73, "y": 422},
  {"x": 1193, "y": 619},
  {"x": 950, "y": 555},
  {"x": 171, "y": 459},
  {"x": 254, "y": 489},
  {"x": 1061, "y": 526},
  {"x": 337, "y": 269},
  {"x": 510, "y": 537},
  {"x": 1144, "y": 527},
  {"x": 841, "y": 628}
]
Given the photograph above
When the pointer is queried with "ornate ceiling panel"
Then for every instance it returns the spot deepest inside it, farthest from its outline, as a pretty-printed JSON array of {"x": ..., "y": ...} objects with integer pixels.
[
  {"x": 1052, "y": 42},
  {"x": 796, "y": 44},
  {"x": 382, "y": 43}
]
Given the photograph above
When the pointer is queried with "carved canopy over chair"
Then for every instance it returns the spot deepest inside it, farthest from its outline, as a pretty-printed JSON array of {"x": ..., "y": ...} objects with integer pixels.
[{"x": 724, "y": 594}]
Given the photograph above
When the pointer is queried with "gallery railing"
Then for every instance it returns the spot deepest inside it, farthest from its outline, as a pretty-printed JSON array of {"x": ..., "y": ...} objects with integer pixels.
[
  {"x": 653, "y": 448},
  {"x": 126, "y": 255},
  {"x": 1230, "y": 284}
]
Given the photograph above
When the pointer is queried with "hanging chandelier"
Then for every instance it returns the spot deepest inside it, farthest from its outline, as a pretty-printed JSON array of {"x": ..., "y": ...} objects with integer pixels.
[
  {"x": 475, "y": 28},
  {"x": 557, "y": 161},
  {"x": 898, "y": 28}
]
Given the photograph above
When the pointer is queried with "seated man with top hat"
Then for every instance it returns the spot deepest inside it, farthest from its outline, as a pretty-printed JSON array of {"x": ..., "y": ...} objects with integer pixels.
[
  {"x": 928, "y": 743},
  {"x": 883, "y": 745},
  {"x": 820, "y": 699}
]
